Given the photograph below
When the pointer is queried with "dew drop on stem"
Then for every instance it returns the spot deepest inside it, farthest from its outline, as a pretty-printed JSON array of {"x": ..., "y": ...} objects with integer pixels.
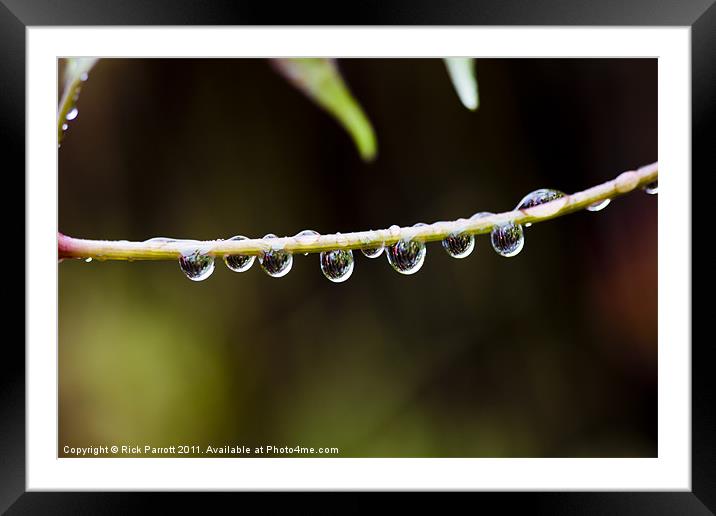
[
  {"x": 196, "y": 266},
  {"x": 541, "y": 196},
  {"x": 160, "y": 240},
  {"x": 407, "y": 256},
  {"x": 507, "y": 239},
  {"x": 599, "y": 205},
  {"x": 239, "y": 262},
  {"x": 302, "y": 235},
  {"x": 459, "y": 245},
  {"x": 373, "y": 252},
  {"x": 275, "y": 262},
  {"x": 337, "y": 265},
  {"x": 652, "y": 188}
]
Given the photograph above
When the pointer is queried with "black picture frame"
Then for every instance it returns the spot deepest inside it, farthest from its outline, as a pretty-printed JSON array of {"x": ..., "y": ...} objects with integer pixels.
[{"x": 700, "y": 15}]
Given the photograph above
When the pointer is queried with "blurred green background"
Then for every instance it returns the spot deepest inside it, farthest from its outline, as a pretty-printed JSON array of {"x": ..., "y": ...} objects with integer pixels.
[{"x": 552, "y": 353}]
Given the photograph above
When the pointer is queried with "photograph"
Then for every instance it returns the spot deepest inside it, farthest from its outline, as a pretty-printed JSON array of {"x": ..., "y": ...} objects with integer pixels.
[
  {"x": 357, "y": 257},
  {"x": 419, "y": 250}
]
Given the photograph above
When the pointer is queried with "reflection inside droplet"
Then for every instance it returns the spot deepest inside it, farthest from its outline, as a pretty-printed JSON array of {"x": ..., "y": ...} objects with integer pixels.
[
  {"x": 196, "y": 266},
  {"x": 239, "y": 262},
  {"x": 507, "y": 239},
  {"x": 275, "y": 263},
  {"x": 337, "y": 265}
]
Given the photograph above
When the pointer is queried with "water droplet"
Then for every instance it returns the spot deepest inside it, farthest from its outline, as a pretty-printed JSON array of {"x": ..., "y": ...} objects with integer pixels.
[
  {"x": 394, "y": 229},
  {"x": 239, "y": 262},
  {"x": 161, "y": 239},
  {"x": 480, "y": 215},
  {"x": 538, "y": 197},
  {"x": 652, "y": 188},
  {"x": 83, "y": 76},
  {"x": 541, "y": 196},
  {"x": 373, "y": 252},
  {"x": 64, "y": 127},
  {"x": 72, "y": 114},
  {"x": 337, "y": 265},
  {"x": 88, "y": 259},
  {"x": 308, "y": 233},
  {"x": 341, "y": 239},
  {"x": 196, "y": 266},
  {"x": 599, "y": 205},
  {"x": 626, "y": 181},
  {"x": 275, "y": 263},
  {"x": 507, "y": 239},
  {"x": 459, "y": 245},
  {"x": 407, "y": 256}
]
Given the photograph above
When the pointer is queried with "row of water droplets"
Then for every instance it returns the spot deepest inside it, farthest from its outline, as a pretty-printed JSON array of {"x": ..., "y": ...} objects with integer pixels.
[{"x": 405, "y": 256}]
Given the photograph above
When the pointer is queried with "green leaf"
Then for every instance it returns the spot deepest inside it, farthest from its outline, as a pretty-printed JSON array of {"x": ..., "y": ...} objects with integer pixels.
[
  {"x": 320, "y": 80},
  {"x": 75, "y": 73},
  {"x": 462, "y": 74},
  {"x": 77, "y": 68}
]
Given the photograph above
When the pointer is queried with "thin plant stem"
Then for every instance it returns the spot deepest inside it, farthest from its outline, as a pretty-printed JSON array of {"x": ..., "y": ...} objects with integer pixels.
[{"x": 157, "y": 249}]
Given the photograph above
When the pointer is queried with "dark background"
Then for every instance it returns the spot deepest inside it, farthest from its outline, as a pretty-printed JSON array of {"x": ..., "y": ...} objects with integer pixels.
[{"x": 551, "y": 353}]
